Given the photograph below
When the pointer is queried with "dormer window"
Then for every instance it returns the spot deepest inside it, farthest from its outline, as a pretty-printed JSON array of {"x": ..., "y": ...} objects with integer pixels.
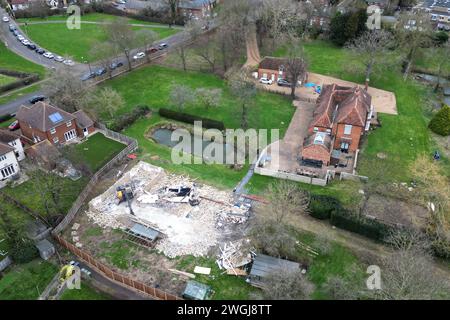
[
  {"x": 316, "y": 129},
  {"x": 348, "y": 129},
  {"x": 52, "y": 131}
]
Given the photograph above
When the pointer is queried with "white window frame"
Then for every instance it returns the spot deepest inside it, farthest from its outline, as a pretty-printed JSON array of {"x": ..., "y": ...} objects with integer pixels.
[
  {"x": 70, "y": 135},
  {"x": 55, "y": 140},
  {"x": 348, "y": 129},
  {"x": 316, "y": 129},
  {"x": 2, "y": 157},
  {"x": 52, "y": 131},
  {"x": 13, "y": 143},
  {"x": 8, "y": 171},
  {"x": 69, "y": 124}
]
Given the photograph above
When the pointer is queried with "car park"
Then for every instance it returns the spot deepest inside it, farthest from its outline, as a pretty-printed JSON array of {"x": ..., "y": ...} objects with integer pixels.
[
  {"x": 49, "y": 55},
  {"x": 265, "y": 80},
  {"x": 14, "y": 125},
  {"x": 37, "y": 98},
  {"x": 116, "y": 65},
  {"x": 138, "y": 56},
  {"x": 163, "y": 46},
  {"x": 68, "y": 62},
  {"x": 59, "y": 59},
  {"x": 5, "y": 19}
]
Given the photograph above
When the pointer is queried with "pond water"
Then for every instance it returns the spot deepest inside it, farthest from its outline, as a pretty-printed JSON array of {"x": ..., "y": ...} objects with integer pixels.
[
  {"x": 430, "y": 78},
  {"x": 164, "y": 136}
]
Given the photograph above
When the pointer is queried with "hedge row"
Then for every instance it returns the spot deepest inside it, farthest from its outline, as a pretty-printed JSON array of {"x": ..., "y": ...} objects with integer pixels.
[
  {"x": 19, "y": 83},
  {"x": 14, "y": 73},
  {"x": 321, "y": 206},
  {"x": 128, "y": 119},
  {"x": 6, "y": 117},
  {"x": 189, "y": 118}
]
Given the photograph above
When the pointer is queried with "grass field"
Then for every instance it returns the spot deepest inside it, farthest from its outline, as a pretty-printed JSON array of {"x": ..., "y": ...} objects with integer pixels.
[
  {"x": 86, "y": 292},
  {"x": 11, "y": 61},
  {"x": 26, "y": 281},
  {"x": 98, "y": 150},
  {"x": 77, "y": 43},
  {"x": 4, "y": 80}
]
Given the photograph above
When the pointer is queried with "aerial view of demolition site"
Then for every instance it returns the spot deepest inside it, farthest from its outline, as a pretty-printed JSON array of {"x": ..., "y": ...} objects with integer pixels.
[{"x": 167, "y": 231}]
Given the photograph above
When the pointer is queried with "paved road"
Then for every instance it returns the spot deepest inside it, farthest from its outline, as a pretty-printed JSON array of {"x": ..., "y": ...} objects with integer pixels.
[
  {"x": 13, "y": 106},
  {"x": 152, "y": 26}
]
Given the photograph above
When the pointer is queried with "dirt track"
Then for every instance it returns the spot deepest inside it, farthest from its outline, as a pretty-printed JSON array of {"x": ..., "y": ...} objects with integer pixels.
[{"x": 253, "y": 57}]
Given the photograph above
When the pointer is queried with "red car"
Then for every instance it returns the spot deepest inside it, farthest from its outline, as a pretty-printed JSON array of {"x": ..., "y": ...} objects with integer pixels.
[
  {"x": 152, "y": 50},
  {"x": 14, "y": 126}
]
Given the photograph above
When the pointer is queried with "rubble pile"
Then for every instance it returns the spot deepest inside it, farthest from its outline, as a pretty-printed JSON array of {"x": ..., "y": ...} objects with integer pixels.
[
  {"x": 188, "y": 214},
  {"x": 234, "y": 255}
]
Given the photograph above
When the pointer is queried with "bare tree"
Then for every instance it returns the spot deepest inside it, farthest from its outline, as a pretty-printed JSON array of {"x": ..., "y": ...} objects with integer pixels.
[
  {"x": 371, "y": 48},
  {"x": 413, "y": 32},
  {"x": 180, "y": 96},
  {"x": 121, "y": 34},
  {"x": 296, "y": 64},
  {"x": 39, "y": 9},
  {"x": 440, "y": 55},
  {"x": 146, "y": 38},
  {"x": 287, "y": 285},
  {"x": 103, "y": 53},
  {"x": 104, "y": 100},
  {"x": 173, "y": 9},
  {"x": 65, "y": 90},
  {"x": 245, "y": 90},
  {"x": 209, "y": 97}
]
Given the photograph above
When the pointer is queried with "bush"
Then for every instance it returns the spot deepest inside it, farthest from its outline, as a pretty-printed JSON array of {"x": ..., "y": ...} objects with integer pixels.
[
  {"x": 321, "y": 206},
  {"x": 188, "y": 118},
  {"x": 23, "y": 252},
  {"x": 440, "y": 123},
  {"x": 19, "y": 83},
  {"x": 6, "y": 117},
  {"x": 440, "y": 37},
  {"x": 128, "y": 119}
]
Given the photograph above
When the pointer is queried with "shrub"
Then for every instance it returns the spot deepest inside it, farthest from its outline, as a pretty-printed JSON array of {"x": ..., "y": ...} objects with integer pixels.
[
  {"x": 321, "y": 206},
  {"x": 188, "y": 118},
  {"x": 6, "y": 117},
  {"x": 20, "y": 83},
  {"x": 128, "y": 119},
  {"x": 440, "y": 123},
  {"x": 23, "y": 252}
]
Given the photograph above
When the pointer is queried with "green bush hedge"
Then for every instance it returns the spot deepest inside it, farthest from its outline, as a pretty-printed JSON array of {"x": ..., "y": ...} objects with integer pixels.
[
  {"x": 321, "y": 206},
  {"x": 6, "y": 117},
  {"x": 188, "y": 118},
  {"x": 19, "y": 83},
  {"x": 440, "y": 123},
  {"x": 129, "y": 118}
]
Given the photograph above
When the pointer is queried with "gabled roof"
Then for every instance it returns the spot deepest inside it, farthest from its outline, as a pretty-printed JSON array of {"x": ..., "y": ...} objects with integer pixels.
[
  {"x": 320, "y": 139},
  {"x": 83, "y": 119},
  {"x": 7, "y": 136},
  {"x": 337, "y": 104},
  {"x": 4, "y": 149},
  {"x": 272, "y": 63},
  {"x": 43, "y": 116},
  {"x": 266, "y": 265}
]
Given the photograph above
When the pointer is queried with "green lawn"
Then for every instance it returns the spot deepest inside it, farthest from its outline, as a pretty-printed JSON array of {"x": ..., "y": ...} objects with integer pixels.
[
  {"x": 76, "y": 43},
  {"x": 18, "y": 93},
  {"x": 98, "y": 150},
  {"x": 401, "y": 137},
  {"x": 86, "y": 292},
  {"x": 11, "y": 61},
  {"x": 26, "y": 281},
  {"x": 4, "y": 80}
]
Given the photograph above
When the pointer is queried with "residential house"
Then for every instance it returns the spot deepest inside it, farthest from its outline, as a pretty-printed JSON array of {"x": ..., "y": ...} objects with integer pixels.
[
  {"x": 13, "y": 140},
  {"x": 43, "y": 121},
  {"x": 19, "y": 4},
  {"x": 439, "y": 11},
  {"x": 341, "y": 117},
  {"x": 9, "y": 166},
  {"x": 276, "y": 68},
  {"x": 322, "y": 12},
  {"x": 196, "y": 8}
]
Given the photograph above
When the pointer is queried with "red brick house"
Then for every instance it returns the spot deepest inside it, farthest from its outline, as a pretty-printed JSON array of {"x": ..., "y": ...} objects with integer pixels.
[
  {"x": 43, "y": 121},
  {"x": 276, "y": 68},
  {"x": 341, "y": 117}
]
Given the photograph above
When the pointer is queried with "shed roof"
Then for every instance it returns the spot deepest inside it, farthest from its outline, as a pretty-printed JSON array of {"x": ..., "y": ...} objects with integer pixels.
[
  {"x": 143, "y": 231},
  {"x": 196, "y": 290},
  {"x": 83, "y": 119},
  {"x": 265, "y": 265},
  {"x": 44, "y": 245}
]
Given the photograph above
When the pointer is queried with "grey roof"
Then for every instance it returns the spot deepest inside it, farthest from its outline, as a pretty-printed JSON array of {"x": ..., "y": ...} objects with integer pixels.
[
  {"x": 436, "y": 3},
  {"x": 318, "y": 139},
  {"x": 265, "y": 265},
  {"x": 4, "y": 149},
  {"x": 447, "y": 91},
  {"x": 196, "y": 290},
  {"x": 144, "y": 231},
  {"x": 43, "y": 116},
  {"x": 44, "y": 245},
  {"x": 194, "y": 4},
  {"x": 83, "y": 119},
  {"x": 7, "y": 136}
]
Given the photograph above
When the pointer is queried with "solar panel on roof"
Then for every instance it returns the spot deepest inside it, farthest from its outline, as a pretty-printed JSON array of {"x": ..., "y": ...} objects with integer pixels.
[{"x": 55, "y": 117}]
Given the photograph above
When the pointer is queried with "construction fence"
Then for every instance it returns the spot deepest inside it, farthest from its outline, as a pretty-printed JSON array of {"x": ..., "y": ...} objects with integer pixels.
[
  {"x": 114, "y": 276},
  {"x": 132, "y": 145}
]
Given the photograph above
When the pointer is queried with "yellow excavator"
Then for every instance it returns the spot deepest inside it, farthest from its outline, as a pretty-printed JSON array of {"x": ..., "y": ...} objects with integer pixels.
[{"x": 66, "y": 272}]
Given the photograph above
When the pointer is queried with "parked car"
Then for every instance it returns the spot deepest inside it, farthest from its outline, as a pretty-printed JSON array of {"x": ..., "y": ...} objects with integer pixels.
[
  {"x": 40, "y": 50},
  {"x": 59, "y": 59},
  {"x": 49, "y": 55},
  {"x": 31, "y": 46},
  {"x": 138, "y": 56},
  {"x": 151, "y": 50},
  {"x": 26, "y": 42},
  {"x": 121, "y": 2},
  {"x": 283, "y": 83},
  {"x": 100, "y": 71},
  {"x": 15, "y": 32},
  {"x": 14, "y": 125},
  {"x": 12, "y": 27},
  {"x": 5, "y": 19},
  {"x": 116, "y": 65},
  {"x": 265, "y": 80},
  {"x": 37, "y": 98},
  {"x": 69, "y": 62},
  {"x": 88, "y": 76},
  {"x": 20, "y": 37},
  {"x": 163, "y": 46}
]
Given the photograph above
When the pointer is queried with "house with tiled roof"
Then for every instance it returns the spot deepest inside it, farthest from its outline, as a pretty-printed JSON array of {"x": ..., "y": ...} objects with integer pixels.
[
  {"x": 43, "y": 121},
  {"x": 341, "y": 117},
  {"x": 275, "y": 68}
]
